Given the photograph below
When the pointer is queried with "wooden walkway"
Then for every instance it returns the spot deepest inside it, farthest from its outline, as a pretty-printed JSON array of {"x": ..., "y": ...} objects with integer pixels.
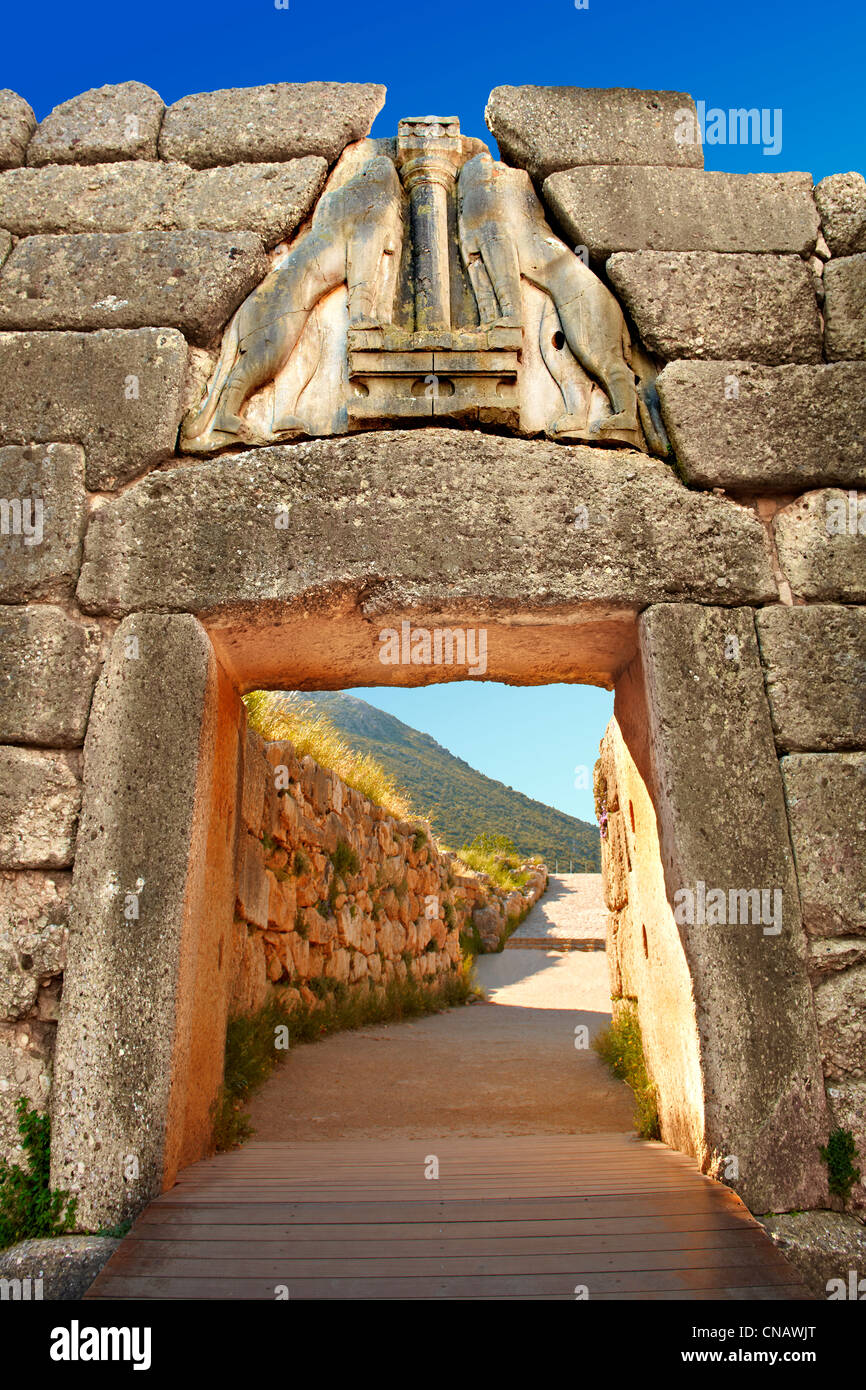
[{"x": 522, "y": 1217}]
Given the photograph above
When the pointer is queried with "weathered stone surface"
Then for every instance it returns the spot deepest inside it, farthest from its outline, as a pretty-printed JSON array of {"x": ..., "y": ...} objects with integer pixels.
[
  {"x": 723, "y": 823},
  {"x": 33, "y": 915},
  {"x": 845, "y": 307},
  {"x": 141, "y": 822},
  {"x": 17, "y": 124},
  {"x": 814, "y": 662},
  {"x": 841, "y": 200},
  {"x": 97, "y": 127},
  {"x": 823, "y": 1245},
  {"x": 40, "y": 555},
  {"x": 758, "y": 429},
  {"x": 48, "y": 667},
  {"x": 285, "y": 120},
  {"x": 821, "y": 544},
  {"x": 193, "y": 281},
  {"x": 840, "y": 1005},
  {"x": 5, "y": 245},
  {"x": 609, "y": 208},
  {"x": 270, "y": 199},
  {"x": 64, "y": 1266},
  {"x": 706, "y": 304},
  {"x": 647, "y": 536},
  {"x": 39, "y": 811},
  {"x": 117, "y": 392},
  {"x": 544, "y": 129},
  {"x": 826, "y": 796},
  {"x": 25, "y": 1070}
]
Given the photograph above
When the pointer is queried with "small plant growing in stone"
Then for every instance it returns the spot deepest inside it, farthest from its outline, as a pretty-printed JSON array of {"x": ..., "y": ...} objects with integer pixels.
[
  {"x": 301, "y": 924},
  {"x": 29, "y": 1206},
  {"x": 300, "y": 864},
  {"x": 344, "y": 859},
  {"x": 839, "y": 1153},
  {"x": 620, "y": 1047},
  {"x": 419, "y": 839}
]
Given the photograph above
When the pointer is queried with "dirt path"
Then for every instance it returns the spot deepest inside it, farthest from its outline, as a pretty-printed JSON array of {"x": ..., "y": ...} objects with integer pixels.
[{"x": 506, "y": 1066}]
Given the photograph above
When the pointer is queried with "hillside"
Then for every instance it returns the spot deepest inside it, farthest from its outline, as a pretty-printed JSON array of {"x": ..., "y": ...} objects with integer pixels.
[{"x": 459, "y": 800}]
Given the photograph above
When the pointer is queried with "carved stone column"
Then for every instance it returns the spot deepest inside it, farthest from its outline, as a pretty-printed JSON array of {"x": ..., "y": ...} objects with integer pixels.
[{"x": 429, "y": 154}]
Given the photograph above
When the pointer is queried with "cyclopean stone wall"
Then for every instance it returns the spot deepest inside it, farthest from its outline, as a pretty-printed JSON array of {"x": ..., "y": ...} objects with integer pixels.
[
  {"x": 167, "y": 585},
  {"x": 307, "y": 919}
]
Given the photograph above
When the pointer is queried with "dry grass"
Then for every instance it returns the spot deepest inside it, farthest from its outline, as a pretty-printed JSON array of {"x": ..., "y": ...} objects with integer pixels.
[{"x": 286, "y": 715}]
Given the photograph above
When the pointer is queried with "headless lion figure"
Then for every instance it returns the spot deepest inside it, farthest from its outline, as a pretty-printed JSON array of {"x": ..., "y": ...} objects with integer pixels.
[
  {"x": 354, "y": 239},
  {"x": 503, "y": 236}
]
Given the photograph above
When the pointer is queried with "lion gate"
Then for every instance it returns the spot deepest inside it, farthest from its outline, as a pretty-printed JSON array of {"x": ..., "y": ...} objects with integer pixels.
[{"x": 268, "y": 387}]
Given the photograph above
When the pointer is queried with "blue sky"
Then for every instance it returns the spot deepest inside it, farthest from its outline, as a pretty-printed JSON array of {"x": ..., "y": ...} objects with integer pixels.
[
  {"x": 803, "y": 59},
  {"x": 806, "y": 59},
  {"x": 532, "y": 738}
]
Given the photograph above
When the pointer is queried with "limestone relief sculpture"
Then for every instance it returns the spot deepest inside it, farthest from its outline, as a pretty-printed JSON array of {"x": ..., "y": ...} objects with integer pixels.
[{"x": 427, "y": 287}]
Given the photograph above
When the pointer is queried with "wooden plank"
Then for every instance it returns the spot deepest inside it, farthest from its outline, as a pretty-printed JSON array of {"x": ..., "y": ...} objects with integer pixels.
[
  {"x": 286, "y": 1267},
  {"x": 256, "y": 1246},
  {"x": 434, "y": 1286},
  {"x": 205, "y": 1224}
]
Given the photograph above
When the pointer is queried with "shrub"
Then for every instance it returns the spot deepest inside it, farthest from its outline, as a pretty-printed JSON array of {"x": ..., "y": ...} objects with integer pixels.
[
  {"x": 344, "y": 859},
  {"x": 300, "y": 863},
  {"x": 29, "y": 1206},
  {"x": 620, "y": 1047},
  {"x": 495, "y": 856},
  {"x": 839, "y": 1154}
]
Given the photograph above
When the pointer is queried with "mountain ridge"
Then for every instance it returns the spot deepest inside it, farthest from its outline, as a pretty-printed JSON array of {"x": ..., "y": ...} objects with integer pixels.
[{"x": 460, "y": 801}]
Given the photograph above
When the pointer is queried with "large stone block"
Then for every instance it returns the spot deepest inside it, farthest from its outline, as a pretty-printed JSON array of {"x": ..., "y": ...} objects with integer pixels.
[
  {"x": 814, "y": 662},
  {"x": 193, "y": 281},
  {"x": 285, "y": 120},
  {"x": 841, "y": 200},
  {"x": 48, "y": 667},
  {"x": 33, "y": 927},
  {"x": 611, "y": 208},
  {"x": 840, "y": 1005},
  {"x": 66, "y": 1265},
  {"x": 545, "y": 129},
  {"x": 826, "y": 796},
  {"x": 646, "y": 535},
  {"x": 845, "y": 307},
  {"x": 117, "y": 392},
  {"x": 723, "y": 825},
  {"x": 766, "y": 429},
  {"x": 706, "y": 304},
  {"x": 39, "y": 810},
  {"x": 17, "y": 124},
  {"x": 821, "y": 544},
  {"x": 148, "y": 756},
  {"x": 822, "y": 1245},
  {"x": 43, "y": 522},
  {"x": 97, "y": 127},
  {"x": 270, "y": 199}
]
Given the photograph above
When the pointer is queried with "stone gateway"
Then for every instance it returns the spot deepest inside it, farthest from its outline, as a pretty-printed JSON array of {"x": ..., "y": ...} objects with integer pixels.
[{"x": 272, "y": 388}]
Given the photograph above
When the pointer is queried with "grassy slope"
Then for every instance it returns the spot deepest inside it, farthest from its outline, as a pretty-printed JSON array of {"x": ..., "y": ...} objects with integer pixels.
[{"x": 460, "y": 801}]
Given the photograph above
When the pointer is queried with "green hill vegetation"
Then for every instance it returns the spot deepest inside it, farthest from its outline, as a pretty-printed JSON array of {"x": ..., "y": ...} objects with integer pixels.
[{"x": 460, "y": 802}]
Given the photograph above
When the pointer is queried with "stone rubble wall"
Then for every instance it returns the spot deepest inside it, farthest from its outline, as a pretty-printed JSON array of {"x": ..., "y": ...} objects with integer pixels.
[
  {"x": 301, "y": 924},
  {"x": 125, "y": 244}
]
